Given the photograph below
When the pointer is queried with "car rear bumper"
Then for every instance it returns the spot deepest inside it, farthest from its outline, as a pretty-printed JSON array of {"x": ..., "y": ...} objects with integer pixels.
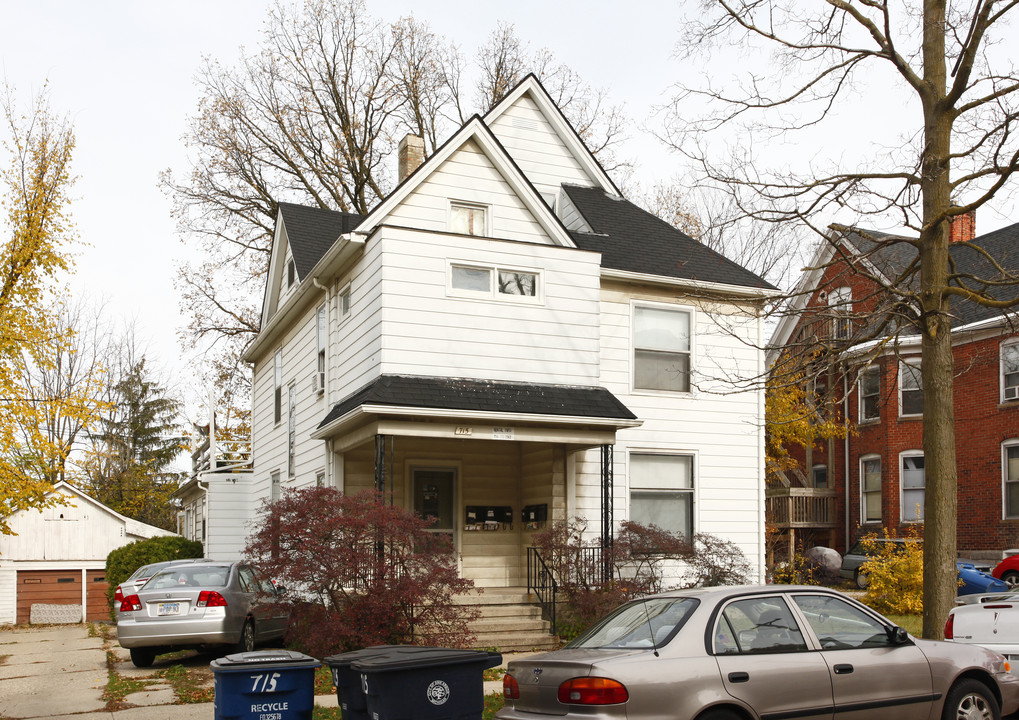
[{"x": 147, "y": 633}]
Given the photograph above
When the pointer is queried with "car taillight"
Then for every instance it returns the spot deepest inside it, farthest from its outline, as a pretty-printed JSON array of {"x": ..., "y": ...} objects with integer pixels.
[
  {"x": 118, "y": 595},
  {"x": 950, "y": 627},
  {"x": 510, "y": 689},
  {"x": 211, "y": 598},
  {"x": 131, "y": 603},
  {"x": 592, "y": 691}
]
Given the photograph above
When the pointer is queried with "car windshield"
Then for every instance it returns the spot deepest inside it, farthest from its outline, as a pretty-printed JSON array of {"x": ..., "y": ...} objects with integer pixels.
[
  {"x": 189, "y": 576},
  {"x": 641, "y": 624}
]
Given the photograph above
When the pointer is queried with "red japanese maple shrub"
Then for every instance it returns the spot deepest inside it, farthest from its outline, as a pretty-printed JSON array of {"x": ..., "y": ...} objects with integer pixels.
[{"x": 360, "y": 572}]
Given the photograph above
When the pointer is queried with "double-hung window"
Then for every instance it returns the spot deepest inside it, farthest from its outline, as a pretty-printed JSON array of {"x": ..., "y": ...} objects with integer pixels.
[
  {"x": 870, "y": 489},
  {"x": 292, "y": 431},
  {"x": 910, "y": 388},
  {"x": 914, "y": 486},
  {"x": 662, "y": 491},
  {"x": 1010, "y": 478},
  {"x": 320, "y": 364},
  {"x": 870, "y": 394},
  {"x": 840, "y": 304},
  {"x": 277, "y": 380},
  {"x": 1010, "y": 371},
  {"x": 661, "y": 349}
]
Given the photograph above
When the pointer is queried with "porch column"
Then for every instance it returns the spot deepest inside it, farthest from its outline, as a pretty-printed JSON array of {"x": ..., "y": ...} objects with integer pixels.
[
  {"x": 607, "y": 531},
  {"x": 382, "y": 458}
]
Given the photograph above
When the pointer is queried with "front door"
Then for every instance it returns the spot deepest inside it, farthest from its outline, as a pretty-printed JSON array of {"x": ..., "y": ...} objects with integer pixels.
[{"x": 435, "y": 498}]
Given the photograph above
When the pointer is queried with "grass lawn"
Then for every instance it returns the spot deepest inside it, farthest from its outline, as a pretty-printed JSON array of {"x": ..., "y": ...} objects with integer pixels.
[{"x": 912, "y": 623}]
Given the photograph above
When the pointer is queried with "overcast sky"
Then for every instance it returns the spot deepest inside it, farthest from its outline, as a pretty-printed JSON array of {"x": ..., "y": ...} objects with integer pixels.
[{"x": 123, "y": 72}]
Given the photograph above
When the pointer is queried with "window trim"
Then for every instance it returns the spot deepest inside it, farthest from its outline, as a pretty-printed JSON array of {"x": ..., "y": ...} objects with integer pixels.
[
  {"x": 692, "y": 491},
  {"x": 691, "y": 351},
  {"x": 1001, "y": 371},
  {"x": 493, "y": 293},
  {"x": 868, "y": 370},
  {"x": 864, "y": 520},
  {"x": 467, "y": 204},
  {"x": 912, "y": 362},
  {"x": 1005, "y": 445},
  {"x": 344, "y": 291},
  {"x": 902, "y": 488}
]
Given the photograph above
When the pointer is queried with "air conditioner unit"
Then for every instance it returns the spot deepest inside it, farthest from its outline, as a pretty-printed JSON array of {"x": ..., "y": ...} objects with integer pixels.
[{"x": 318, "y": 382}]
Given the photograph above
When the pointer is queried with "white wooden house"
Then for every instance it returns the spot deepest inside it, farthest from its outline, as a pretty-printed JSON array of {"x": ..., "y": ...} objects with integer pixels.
[
  {"x": 505, "y": 340},
  {"x": 54, "y": 568}
]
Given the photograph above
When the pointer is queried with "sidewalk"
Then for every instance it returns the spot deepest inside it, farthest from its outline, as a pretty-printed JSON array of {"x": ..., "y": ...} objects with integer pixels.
[{"x": 58, "y": 671}]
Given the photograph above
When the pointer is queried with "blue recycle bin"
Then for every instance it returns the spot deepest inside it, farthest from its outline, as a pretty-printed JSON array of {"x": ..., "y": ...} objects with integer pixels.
[
  {"x": 412, "y": 683},
  {"x": 265, "y": 685}
]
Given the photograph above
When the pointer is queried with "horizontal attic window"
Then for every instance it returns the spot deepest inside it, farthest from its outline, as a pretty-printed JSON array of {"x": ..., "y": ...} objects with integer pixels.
[{"x": 494, "y": 282}]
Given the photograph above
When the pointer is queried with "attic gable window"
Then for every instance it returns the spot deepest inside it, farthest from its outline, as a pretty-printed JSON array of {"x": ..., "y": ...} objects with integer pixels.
[
  {"x": 468, "y": 219},
  {"x": 277, "y": 380},
  {"x": 291, "y": 273}
]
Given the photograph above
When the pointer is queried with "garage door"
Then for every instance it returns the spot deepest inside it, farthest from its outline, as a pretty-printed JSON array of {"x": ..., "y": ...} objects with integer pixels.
[{"x": 61, "y": 587}]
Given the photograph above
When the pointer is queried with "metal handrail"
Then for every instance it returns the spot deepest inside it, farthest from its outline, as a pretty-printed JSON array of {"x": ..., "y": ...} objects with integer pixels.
[{"x": 542, "y": 582}]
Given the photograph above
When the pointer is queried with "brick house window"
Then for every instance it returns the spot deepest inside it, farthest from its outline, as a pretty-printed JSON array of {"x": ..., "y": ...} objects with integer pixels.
[
  {"x": 870, "y": 489},
  {"x": 840, "y": 305},
  {"x": 819, "y": 476},
  {"x": 1010, "y": 371},
  {"x": 870, "y": 394},
  {"x": 910, "y": 388},
  {"x": 1010, "y": 478},
  {"x": 913, "y": 482}
]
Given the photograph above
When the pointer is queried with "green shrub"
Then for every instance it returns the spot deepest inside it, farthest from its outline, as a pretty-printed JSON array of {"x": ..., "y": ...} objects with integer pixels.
[{"x": 125, "y": 560}]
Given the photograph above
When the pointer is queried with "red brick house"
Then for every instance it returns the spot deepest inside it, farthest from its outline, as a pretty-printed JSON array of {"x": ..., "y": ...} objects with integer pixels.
[{"x": 874, "y": 479}]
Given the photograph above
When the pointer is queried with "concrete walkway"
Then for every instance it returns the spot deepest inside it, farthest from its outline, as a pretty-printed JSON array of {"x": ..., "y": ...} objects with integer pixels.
[{"x": 57, "y": 671}]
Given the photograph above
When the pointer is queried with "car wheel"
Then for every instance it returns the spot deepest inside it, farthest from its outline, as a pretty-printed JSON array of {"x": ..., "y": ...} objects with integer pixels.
[
  {"x": 721, "y": 714},
  {"x": 970, "y": 700},
  {"x": 1011, "y": 578},
  {"x": 861, "y": 580},
  {"x": 142, "y": 657},
  {"x": 247, "y": 641}
]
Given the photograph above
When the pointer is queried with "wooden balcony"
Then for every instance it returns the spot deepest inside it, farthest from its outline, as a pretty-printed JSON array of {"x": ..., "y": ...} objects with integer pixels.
[{"x": 800, "y": 507}]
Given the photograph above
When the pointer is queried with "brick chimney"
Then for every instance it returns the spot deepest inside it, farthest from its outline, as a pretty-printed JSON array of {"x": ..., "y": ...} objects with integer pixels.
[
  {"x": 410, "y": 155},
  {"x": 963, "y": 227}
]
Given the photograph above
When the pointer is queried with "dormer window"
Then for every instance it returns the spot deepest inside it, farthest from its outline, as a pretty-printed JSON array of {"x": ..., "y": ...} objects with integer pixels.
[{"x": 468, "y": 219}]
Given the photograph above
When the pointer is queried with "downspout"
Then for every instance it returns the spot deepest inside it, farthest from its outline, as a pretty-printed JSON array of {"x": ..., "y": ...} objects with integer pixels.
[{"x": 327, "y": 376}]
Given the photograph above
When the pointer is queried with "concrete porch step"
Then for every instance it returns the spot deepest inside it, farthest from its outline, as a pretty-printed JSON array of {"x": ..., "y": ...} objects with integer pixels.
[{"x": 510, "y": 620}]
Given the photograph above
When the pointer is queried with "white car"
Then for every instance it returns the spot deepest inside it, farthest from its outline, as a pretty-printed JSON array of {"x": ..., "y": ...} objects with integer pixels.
[{"x": 991, "y": 621}]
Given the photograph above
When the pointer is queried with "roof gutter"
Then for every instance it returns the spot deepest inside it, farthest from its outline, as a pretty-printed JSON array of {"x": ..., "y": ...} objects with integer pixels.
[
  {"x": 446, "y": 414},
  {"x": 712, "y": 287}
]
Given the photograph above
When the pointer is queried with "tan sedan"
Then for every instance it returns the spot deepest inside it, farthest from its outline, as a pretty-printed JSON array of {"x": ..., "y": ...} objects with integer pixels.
[{"x": 768, "y": 652}]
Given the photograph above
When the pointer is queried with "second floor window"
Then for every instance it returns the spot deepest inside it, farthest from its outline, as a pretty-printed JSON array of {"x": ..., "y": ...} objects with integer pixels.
[
  {"x": 910, "y": 388},
  {"x": 840, "y": 304},
  {"x": 292, "y": 432},
  {"x": 661, "y": 349},
  {"x": 870, "y": 394},
  {"x": 1010, "y": 371},
  {"x": 320, "y": 333},
  {"x": 277, "y": 380},
  {"x": 509, "y": 284},
  {"x": 819, "y": 476}
]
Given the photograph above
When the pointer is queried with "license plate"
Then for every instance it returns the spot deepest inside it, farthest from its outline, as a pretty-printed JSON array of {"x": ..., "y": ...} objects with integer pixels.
[{"x": 169, "y": 608}]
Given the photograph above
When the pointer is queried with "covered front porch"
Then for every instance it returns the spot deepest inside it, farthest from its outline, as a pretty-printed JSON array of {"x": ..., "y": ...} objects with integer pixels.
[{"x": 494, "y": 463}]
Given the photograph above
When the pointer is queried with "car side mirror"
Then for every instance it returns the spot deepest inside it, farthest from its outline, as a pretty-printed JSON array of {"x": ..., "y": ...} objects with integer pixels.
[
  {"x": 897, "y": 635},
  {"x": 281, "y": 590}
]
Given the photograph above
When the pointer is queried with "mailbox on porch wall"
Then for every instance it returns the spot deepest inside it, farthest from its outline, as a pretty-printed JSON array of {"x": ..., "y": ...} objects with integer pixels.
[{"x": 488, "y": 517}]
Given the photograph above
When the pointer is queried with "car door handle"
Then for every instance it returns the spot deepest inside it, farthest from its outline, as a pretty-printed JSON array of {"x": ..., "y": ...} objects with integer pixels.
[
  {"x": 739, "y": 677},
  {"x": 844, "y": 669}
]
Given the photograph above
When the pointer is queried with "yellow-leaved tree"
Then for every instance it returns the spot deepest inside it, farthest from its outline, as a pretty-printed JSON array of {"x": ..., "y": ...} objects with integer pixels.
[{"x": 34, "y": 252}]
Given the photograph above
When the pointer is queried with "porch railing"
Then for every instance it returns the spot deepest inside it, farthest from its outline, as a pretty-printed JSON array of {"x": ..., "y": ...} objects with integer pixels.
[
  {"x": 587, "y": 568},
  {"x": 542, "y": 583},
  {"x": 792, "y": 507}
]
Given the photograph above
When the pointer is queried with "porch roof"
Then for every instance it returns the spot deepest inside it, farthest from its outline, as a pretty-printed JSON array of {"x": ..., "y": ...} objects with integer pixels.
[{"x": 470, "y": 397}]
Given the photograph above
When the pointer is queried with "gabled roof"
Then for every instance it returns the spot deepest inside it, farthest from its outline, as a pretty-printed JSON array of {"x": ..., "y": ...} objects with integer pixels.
[
  {"x": 633, "y": 240},
  {"x": 483, "y": 396},
  {"x": 312, "y": 231}
]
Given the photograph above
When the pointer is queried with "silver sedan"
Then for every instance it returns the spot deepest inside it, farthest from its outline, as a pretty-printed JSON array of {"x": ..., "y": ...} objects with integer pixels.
[
  {"x": 743, "y": 653},
  {"x": 209, "y": 604}
]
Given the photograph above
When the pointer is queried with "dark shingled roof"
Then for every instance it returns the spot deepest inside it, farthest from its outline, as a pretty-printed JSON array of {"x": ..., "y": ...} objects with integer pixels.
[
  {"x": 312, "y": 231},
  {"x": 634, "y": 240},
  {"x": 484, "y": 396},
  {"x": 892, "y": 258}
]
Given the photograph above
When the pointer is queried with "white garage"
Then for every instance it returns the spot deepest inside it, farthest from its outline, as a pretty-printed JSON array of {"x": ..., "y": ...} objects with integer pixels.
[{"x": 53, "y": 569}]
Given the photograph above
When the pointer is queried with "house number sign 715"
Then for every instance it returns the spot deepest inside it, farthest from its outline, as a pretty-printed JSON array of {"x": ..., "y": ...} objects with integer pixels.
[{"x": 266, "y": 681}]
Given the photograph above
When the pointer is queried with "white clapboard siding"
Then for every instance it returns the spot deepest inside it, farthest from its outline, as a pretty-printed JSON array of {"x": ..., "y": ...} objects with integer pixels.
[
  {"x": 232, "y": 502},
  {"x": 537, "y": 149},
  {"x": 468, "y": 176},
  {"x": 427, "y": 330}
]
